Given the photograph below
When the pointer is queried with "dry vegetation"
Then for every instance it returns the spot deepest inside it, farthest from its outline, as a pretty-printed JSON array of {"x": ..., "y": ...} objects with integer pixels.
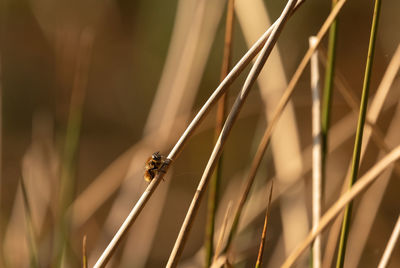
[{"x": 277, "y": 151}]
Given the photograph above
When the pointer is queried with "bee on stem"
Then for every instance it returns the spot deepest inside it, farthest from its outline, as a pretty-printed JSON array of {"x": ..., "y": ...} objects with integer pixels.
[{"x": 153, "y": 165}]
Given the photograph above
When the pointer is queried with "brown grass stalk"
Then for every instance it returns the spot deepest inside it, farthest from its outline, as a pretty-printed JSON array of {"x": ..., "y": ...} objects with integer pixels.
[
  {"x": 221, "y": 114},
  {"x": 264, "y": 232}
]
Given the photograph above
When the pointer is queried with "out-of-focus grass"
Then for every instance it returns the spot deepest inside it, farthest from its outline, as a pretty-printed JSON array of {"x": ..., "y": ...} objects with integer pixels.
[{"x": 128, "y": 57}]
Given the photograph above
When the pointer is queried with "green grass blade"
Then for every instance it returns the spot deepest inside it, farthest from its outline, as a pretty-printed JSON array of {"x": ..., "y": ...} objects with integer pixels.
[
  {"x": 327, "y": 95},
  {"x": 359, "y": 133}
]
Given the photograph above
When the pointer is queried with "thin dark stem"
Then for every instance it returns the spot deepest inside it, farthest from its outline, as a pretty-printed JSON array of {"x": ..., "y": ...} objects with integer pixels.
[
  {"x": 327, "y": 97},
  {"x": 221, "y": 111},
  {"x": 264, "y": 232}
]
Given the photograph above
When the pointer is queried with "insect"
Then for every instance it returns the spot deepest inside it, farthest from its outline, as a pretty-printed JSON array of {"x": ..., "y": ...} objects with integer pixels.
[{"x": 152, "y": 166}]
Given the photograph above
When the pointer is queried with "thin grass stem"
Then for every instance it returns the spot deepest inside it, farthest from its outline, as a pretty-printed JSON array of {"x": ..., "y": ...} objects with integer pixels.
[
  {"x": 359, "y": 133},
  {"x": 362, "y": 184},
  {"x": 221, "y": 114},
  {"x": 264, "y": 232},
  {"x": 327, "y": 95},
  {"x": 316, "y": 155}
]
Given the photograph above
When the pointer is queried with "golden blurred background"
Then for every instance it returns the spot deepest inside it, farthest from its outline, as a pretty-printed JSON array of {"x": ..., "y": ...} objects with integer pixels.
[{"x": 90, "y": 89}]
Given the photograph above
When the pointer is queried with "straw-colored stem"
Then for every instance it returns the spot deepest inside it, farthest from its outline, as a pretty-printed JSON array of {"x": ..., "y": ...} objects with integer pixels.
[
  {"x": 338, "y": 206},
  {"x": 264, "y": 232},
  {"x": 359, "y": 133},
  {"x": 278, "y": 111},
  {"x": 254, "y": 72},
  {"x": 390, "y": 245},
  {"x": 316, "y": 155},
  {"x": 221, "y": 111}
]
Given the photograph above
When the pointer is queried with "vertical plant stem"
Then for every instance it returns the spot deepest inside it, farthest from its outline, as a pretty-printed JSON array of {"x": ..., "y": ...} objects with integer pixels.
[
  {"x": 359, "y": 133},
  {"x": 264, "y": 232},
  {"x": 316, "y": 155},
  {"x": 221, "y": 111},
  {"x": 2, "y": 36},
  {"x": 327, "y": 96}
]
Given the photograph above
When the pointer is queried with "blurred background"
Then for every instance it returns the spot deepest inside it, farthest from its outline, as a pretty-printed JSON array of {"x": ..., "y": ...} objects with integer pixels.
[{"x": 90, "y": 89}]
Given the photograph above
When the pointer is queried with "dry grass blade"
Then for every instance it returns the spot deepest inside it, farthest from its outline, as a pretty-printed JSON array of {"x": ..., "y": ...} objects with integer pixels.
[
  {"x": 264, "y": 232},
  {"x": 317, "y": 155},
  {"x": 254, "y": 72},
  {"x": 347, "y": 197},
  {"x": 390, "y": 245}
]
